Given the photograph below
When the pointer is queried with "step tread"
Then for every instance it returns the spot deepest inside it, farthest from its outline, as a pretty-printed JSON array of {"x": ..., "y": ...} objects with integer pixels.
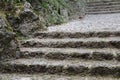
[
  {"x": 105, "y": 6},
  {"x": 42, "y": 61},
  {"x": 70, "y": 50},
  {"x": 114, "y": 31},
  {"x": 95, "y": 39},
  {"x": 51, "y": 77},
  {"x": 103, "y": 12},
  {"x": 88, "y": 32},
  {"x": 71, "y": 53}
]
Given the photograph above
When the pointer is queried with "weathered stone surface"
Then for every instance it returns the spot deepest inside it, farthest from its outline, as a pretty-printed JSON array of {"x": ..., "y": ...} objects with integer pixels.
[
  {"x": 100, "y": 6},
  {"x": 8, "y": 43},
  {"x": 110, "y": 42},
  {"x": 81, "y": 67},
  {"x": 76, "y": 8},
  {"x": 22, "y": 78},
  {"x": 52, "y": 77},
  {"x": 71, "y": 53},
  {"x": 27, "y": 22},
  {"x": 76, "y": 34}
]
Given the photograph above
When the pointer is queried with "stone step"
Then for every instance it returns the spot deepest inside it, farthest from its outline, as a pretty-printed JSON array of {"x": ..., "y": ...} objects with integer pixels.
[
  {"x": 103, "y": 12},
  {"x": 101, "y": 3},
  {"x": 52, "y": 77},
  {"x": 76, "y": 34},
  {"x": 103, "y": 9},
  {"x": 71, "y": 53},
  {"x": 109, "y": 42},
  {"x": 80, "y": 67}
]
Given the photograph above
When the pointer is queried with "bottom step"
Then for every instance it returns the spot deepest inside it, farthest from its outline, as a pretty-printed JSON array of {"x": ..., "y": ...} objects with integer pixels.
[
  {"x": 50, "y": 77},
  {"x": 72, "y": 67}
]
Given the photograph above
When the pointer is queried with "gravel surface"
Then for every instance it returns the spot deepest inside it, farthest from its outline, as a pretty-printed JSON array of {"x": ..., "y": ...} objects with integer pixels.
[{"x": 98, "y": 22}]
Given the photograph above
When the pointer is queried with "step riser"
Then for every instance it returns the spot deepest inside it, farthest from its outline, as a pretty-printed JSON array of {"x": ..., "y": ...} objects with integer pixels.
[
  {"x": 77, "y": 44},
  {"x": 76, "y": 35},
  {"x": 70, "y": 69},
  {"x": 62, "y": 56}
]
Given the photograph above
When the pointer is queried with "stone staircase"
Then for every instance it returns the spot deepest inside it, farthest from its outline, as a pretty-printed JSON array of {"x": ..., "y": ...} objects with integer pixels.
[
  {"x": 67, "y": 53},
  {"x": 108, "y": 6}
]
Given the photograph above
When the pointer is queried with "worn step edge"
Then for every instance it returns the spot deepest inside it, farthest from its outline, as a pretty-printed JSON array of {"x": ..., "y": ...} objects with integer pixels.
[
  {"x": 64, "y": 66},
  {"x": 111, "y": 42},
  {"x": 76, "y": 34},
  {"x": 71, "y": 53}
]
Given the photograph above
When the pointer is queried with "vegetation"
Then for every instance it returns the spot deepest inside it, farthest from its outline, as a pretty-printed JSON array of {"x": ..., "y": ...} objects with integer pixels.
[
  {"x": 53, "y": 8},
  {"x": 48, "y": 9}
]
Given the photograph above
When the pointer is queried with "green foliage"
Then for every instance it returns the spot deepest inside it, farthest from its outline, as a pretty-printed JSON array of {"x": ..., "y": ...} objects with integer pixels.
[
  {"x": 2, "y": 14},
  {"x": 50, "y": 7}
]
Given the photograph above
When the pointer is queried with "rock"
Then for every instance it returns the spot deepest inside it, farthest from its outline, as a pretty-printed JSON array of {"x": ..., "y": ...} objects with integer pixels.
[
  {"x": 8, "y": 44},
  {"x": 2, "y": 25},
  {"x": 64, "y": 14},
  {"x": 14, "y": 22},
  {"x": 76, "y": 8},
  {"x": 27, "y": 21}
]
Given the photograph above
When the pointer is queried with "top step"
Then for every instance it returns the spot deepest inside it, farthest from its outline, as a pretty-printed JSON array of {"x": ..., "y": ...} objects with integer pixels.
[{"x": 103, "y": 2}]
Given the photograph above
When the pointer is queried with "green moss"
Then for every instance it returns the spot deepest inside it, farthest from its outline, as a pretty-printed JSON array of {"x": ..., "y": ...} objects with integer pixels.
[{"x": 2, "y": 14}]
